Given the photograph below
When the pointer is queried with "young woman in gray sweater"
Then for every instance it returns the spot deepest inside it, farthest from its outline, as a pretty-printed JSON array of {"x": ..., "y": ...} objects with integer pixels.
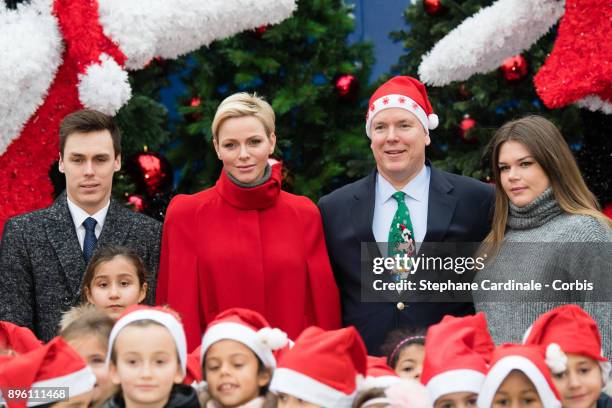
[{"x": 547, "y": 230}]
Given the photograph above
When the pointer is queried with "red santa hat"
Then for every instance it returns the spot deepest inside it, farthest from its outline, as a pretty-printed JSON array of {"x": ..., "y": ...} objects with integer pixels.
[
  {"x": 457, "y": 352},
  {"x": 18, "y": 339},
  {"x": 406, "y": 93},
  {"x": 323, "y": 367},
  {"x": 194, "y": 368},
  {"x": 567, "y": 329},
  {"x": 53, "y": 365},
  {"x": 249, "y": 328},
  {"x": 527, "y": 359},
  {"x": 379, "y": 374},
  {"x": 162, "y": 315}
]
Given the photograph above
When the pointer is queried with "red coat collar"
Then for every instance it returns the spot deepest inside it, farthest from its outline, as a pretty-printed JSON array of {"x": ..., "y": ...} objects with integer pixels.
[{"x": 251, "y": 198}]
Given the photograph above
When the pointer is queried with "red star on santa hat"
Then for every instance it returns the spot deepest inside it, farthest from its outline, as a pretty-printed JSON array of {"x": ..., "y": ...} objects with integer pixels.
[
  {"x": 385, "y": 101},
  {"x": 402, "y": 99}
]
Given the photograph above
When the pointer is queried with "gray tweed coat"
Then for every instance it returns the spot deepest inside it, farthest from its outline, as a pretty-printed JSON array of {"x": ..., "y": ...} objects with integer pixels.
[{"x": 42, "y": 265}]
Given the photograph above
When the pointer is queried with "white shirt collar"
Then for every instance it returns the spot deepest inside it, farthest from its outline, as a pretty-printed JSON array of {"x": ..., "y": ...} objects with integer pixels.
[
  {"x": 416, "y": 188},
  {"x": 79, "y": 215}
]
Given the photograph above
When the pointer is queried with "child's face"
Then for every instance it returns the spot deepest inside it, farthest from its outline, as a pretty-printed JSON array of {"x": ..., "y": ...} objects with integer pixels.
[
  {"x": 517, "y": 391},
  {"x": 457, "y": 400},
  {"x": 581, "y": 384},
  {"x": 115, "y": 286},
  {"x": 93, "y": 351},
  {"x": 232, "y": 372},
  {"x": 288, "y": 401},
  {"x": 146, "y": 370},
  {"x": 410, "y": 361}
]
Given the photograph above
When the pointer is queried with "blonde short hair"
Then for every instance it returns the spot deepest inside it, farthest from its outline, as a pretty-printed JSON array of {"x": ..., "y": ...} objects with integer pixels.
[{"x": 244, "y": 104}]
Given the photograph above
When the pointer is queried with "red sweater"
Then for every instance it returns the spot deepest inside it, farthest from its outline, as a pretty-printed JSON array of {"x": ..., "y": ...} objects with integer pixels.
[{"x": 259, "y": 248}]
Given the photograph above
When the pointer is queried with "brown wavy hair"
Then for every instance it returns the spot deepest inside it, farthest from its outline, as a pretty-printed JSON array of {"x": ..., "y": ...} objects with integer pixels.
[{"x": 548, "y": 147}]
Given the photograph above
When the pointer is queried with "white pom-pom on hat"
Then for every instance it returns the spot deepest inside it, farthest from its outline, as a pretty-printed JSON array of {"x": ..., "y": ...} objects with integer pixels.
[
  {"x": 433, "y": 121},
  {"x": 556, "y": 359},
  {"x": 104, "y": 86},
  {"x": 273, "y": 338}
]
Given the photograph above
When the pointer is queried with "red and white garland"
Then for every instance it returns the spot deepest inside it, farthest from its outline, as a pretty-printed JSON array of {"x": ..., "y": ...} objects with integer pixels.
[
  {"x": 61, "y": 55},
  {"x": 579, "y": 70}
]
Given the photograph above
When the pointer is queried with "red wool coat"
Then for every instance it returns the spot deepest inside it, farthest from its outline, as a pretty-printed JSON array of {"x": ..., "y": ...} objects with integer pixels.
[{"x": 259, "y": 248}]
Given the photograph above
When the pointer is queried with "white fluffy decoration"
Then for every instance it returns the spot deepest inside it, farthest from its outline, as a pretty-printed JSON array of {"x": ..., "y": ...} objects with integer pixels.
[
  {"x": 104, "y": 86},
  {"x": 273, "y": 338},
  {"x": 556, "y": 359},
  {"x": 147, "y": 29},
  {"x": 595, "y": 103},
  {"x": 30, "y": 54},
  {"x": 484, "y": 40}
]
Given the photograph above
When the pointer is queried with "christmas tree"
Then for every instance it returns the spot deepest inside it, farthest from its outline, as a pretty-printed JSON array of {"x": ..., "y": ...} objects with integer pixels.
[
  {"x": 315, "y": 82},
  {"x": 471, "y": 110}
]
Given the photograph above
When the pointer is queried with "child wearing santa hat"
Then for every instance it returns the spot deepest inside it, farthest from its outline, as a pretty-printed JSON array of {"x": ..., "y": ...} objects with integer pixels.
[
  {"x": 457, "y": 353},
  {"x": 52, "y": 374},
  {"x": 147, "y": 355},
  {"x": 518, "y": 377},
  {"x": 322, "y": 369},
  {"x": 87, "y": 329},
  {"x": 16, "y": 339},
  {"x": 238, "y": 358},
  {"x": 572, "y": 343}
]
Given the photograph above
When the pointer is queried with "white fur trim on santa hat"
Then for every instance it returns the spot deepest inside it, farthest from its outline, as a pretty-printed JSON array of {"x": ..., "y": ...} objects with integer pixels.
[
  {"x": 402, "y": 102},
  {"x": 308, "y": 389},
  {"x": 104, "y": 86},
  {"x": 243, "y": 334},
  {"x": 498, "y": 373},
  {"x": 165, "y": 319},
  {"x": 595, "y": 103},
  {"x": 77, "y": 383},
  {"x": 383, "y": 381},
  {"x": 463, "y": 380}
]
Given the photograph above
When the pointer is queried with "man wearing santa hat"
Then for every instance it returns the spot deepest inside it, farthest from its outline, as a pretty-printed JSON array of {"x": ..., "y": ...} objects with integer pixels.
[{"x": 404, "y": 198}]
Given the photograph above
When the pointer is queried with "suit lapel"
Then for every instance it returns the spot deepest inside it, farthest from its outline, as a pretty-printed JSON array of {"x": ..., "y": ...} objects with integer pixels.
[
  {"x": 440, "y": 208},
  {"x": 362, "y": 212},
  {"x": 116, "y": 226},
  {"x": 62, "y": 236}
]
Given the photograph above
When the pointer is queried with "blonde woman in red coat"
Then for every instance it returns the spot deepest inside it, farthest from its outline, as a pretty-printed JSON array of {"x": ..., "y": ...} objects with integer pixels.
[{"x": 245, "y": 242}]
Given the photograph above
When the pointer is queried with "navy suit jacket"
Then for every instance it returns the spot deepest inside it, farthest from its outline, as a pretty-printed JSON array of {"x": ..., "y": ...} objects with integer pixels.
[{"x": 459, "y": 210}]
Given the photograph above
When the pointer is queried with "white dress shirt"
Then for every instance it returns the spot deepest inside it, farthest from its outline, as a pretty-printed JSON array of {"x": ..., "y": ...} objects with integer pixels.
[
  {"x": 385, "y": 206},
  {"x": 79, "y": 215}
]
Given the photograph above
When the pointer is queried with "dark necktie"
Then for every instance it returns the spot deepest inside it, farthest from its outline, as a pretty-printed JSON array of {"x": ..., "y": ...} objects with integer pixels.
[{"x": 90, "y": 238}]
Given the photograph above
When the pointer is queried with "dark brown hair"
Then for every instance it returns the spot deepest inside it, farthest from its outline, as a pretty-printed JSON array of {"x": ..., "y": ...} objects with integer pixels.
[
  {"x": 86, "y": 121},
  {"x": 398, "y": 340},
  {"x": 108, "y": 253},
  {"x": 546, "y": 144}
]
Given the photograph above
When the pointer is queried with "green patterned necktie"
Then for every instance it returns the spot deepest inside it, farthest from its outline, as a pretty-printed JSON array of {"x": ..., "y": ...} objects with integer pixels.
[{"x": 401, "y": 234}]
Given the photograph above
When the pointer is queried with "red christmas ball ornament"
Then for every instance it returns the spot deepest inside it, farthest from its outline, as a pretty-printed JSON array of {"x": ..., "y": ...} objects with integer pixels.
[
  {"x": 261, "y": 30},
  {"x": 467, "y": 124},
  {"x": 514, "y": 68},
  {"x": 136, "y": 202},
  {"x": 433, "y": 7},
  {"x": 195, "y": 102},
  {"x": 347, "y": 86},
  {"x": 151, "y": 172}
]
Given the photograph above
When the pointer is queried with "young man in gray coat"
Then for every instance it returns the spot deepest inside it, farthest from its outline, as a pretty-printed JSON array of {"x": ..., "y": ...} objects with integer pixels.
[{"x": 44, "y": 253}]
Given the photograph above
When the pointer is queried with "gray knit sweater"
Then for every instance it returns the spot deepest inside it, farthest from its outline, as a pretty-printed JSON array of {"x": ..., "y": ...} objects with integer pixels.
[{"x": 544, "y": 243}]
